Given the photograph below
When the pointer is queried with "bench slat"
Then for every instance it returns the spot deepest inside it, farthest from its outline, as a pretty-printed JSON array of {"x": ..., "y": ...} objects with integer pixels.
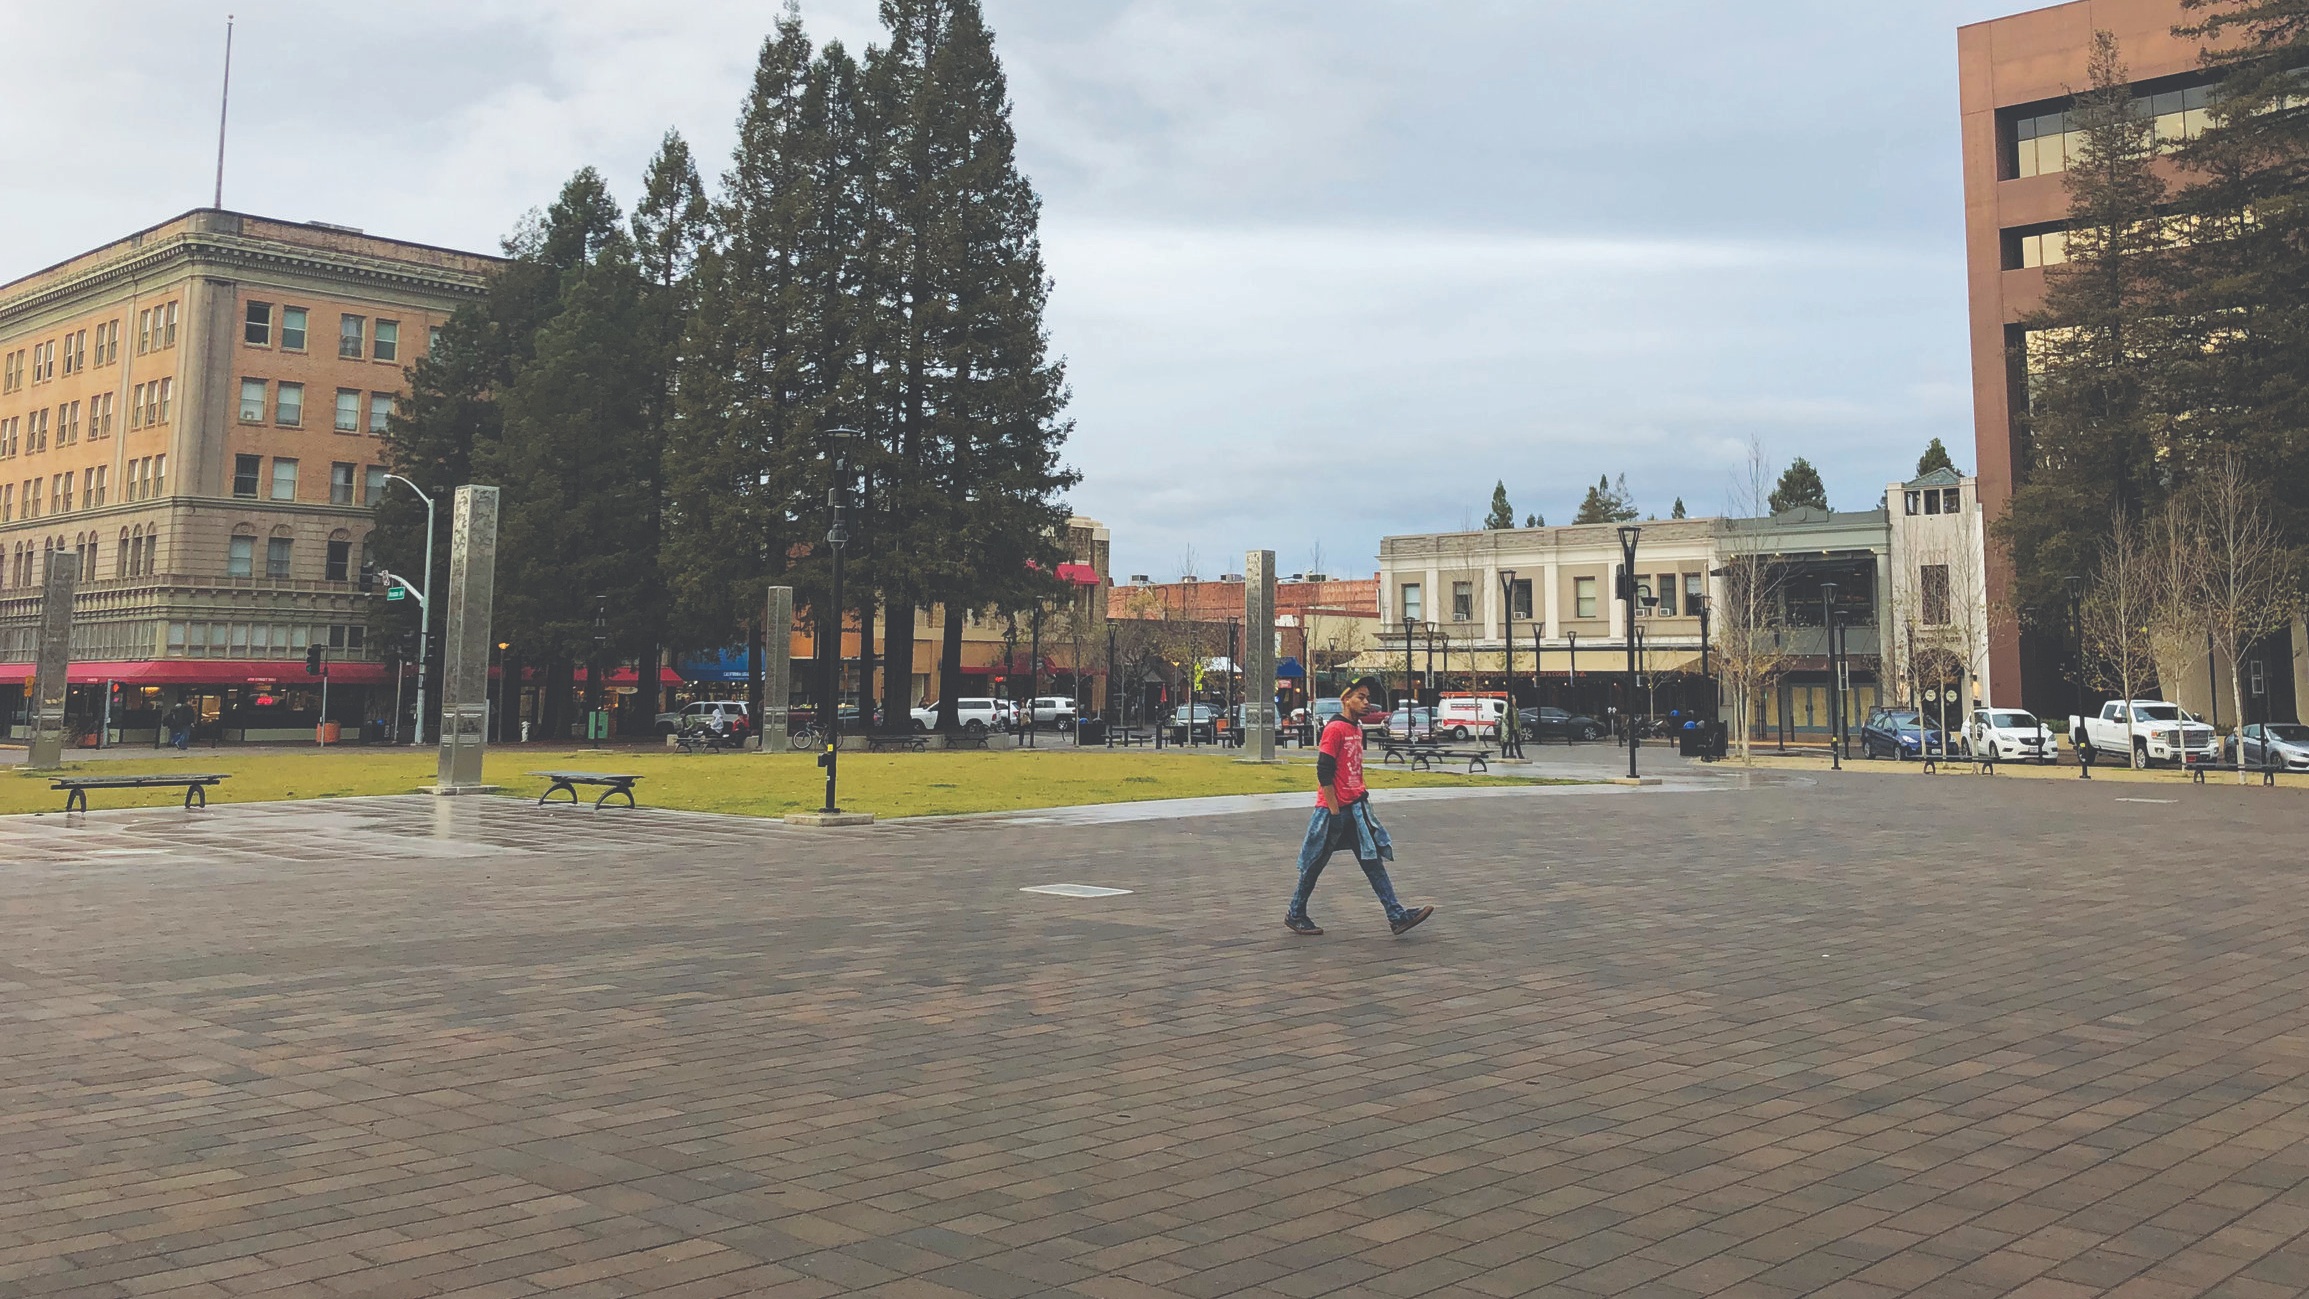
[{"x": 131, "y": 782}]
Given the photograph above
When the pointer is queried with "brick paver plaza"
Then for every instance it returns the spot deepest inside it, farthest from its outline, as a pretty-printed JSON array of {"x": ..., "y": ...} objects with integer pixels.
[{"x": 1861, "y": 1036}]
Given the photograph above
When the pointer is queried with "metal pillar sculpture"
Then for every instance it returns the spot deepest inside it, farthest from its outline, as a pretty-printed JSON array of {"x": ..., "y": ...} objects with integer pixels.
[
  {"x": 53, "y": 662},
  {"x": 1258, "y": 659},
  {"x": 465, "y": 647},
  {"x": 777, "y": 668}
]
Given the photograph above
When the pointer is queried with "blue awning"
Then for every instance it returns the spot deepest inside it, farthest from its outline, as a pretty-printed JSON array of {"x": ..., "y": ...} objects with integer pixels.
[
  {"x": 726, "y": 666},
  {"x": 1289, "y": 669}
]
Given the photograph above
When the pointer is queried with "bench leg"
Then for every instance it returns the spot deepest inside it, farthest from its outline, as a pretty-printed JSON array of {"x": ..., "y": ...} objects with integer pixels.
[
  {"x": 195, "y": 792},
  {"x": 559, "y": 785},
  {"x": 1476, "y": 765},
  {"x": 72, "y": 796},
  {"x": 626, "y": 790}
]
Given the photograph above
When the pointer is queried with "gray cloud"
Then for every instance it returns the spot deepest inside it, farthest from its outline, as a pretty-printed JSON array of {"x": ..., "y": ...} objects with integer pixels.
[{"x": 1326, "y": 268}]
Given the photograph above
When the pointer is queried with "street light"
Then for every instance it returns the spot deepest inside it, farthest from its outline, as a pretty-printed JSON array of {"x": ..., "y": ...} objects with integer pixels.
[
  {"x": 1835, "y": 687},
  {"x": 1512, "y": 745},
  {"x": 1627, "y": 593},
  {"x": 424, "y": 605},
  {"x": 837, "y": 536}
]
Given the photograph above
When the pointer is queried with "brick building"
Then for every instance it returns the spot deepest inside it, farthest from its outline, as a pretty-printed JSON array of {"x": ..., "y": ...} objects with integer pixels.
[{"x": 193, "y": 412}]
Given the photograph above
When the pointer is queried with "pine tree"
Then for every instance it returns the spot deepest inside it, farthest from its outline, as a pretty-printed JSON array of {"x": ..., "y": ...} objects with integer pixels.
[
  {"x": 1502, "y": 514},
  {"x": 968, "y": 417},
  {"x": 1934, "y": 457},
  {"x": 1606, "y": 502},
  {"x": 2097, "y": 354},
  {"x": 1534, "y": 521},
  {"x": 2243, "y": 272},
  {"x": 1799, "y": 486},
  {"x": 1678, "y": 511}
]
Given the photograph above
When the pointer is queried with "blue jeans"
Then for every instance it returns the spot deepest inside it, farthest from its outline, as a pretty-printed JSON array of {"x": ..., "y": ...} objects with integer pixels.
[{"x": 1357, "y": 831}]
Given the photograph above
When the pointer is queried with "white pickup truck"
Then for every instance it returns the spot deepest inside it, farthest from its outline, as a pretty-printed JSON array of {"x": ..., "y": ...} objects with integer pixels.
[{"x": 2156, "y": 732}]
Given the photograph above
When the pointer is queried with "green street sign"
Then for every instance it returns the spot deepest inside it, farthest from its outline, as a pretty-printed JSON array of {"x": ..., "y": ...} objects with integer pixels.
[{"x": 395, "y": 593}]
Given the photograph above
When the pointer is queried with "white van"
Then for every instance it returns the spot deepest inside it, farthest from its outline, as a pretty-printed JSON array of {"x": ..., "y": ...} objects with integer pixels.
[{"x": 1461, "y": 716}]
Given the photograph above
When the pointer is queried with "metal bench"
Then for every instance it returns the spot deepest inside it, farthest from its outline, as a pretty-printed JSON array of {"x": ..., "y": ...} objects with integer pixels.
[
  {"x": 967, "y": 739},
  {"x": 1126, "y": 736},
  {"x": 618, "y": 783},
  {"x": 195, "y": 787},
  {"x": 880, "y": 743},
  {"x": 1982, "y": 764},
  {"x": 1423, "y": 757},
  {"x": 2197, "y": 771}
]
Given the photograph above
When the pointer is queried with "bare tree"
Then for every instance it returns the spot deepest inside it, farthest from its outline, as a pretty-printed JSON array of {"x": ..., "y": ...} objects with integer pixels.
[
  {"x": 1747, "y": 617},
  {"x": 2247, "y": 581},
  {"x": 2120, "y": 614}
]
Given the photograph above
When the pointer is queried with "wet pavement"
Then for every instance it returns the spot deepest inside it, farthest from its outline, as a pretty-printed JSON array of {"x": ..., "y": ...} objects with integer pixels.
[{"x": 1780, "y": 1035}]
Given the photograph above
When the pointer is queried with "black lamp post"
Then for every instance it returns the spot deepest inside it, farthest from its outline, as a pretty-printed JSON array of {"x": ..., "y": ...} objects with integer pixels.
[
  {"x": 1627, "y": 594},
  {"x": 837, "y": 536},
  {"x": 1835, "y": 686},
  {"x": 1511, "y": 741}
]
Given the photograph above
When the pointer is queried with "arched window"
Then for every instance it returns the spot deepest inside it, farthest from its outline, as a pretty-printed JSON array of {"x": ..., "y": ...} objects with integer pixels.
[
  {"x": 88, "y": 558},
  {"x": 120, "y": 556}
]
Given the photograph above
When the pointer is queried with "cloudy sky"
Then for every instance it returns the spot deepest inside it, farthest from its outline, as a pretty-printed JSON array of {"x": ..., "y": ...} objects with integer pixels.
[{"x": 1326, "y": 269}]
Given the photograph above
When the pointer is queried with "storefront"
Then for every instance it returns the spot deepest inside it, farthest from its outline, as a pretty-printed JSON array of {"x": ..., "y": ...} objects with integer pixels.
[{"x": 234, "y": 702}]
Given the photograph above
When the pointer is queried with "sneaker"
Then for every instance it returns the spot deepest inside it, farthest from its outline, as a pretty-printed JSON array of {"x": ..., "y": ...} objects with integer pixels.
[
  {"x": 1302, "y": 926},
  {"x": 1410, "y": 918}
]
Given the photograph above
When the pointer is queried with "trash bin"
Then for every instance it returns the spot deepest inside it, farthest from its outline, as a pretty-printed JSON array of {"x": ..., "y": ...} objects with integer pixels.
[
  {"x": 328, "y": 732},
  {"x": 1093, "y": 731}
]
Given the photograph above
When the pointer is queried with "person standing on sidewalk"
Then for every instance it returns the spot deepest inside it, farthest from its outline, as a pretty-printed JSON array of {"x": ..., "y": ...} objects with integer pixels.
[{"x": 1343, "y": 818}]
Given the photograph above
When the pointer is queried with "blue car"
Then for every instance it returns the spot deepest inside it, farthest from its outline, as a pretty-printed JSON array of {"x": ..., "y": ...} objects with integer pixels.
[{"x": 1899, "y": 733}]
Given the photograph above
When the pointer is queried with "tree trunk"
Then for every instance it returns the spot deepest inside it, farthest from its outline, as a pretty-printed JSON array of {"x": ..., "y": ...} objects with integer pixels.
[
  {"x": 950, "y": 670},
  {"x": 553, "y": 706},
  {"x": 898, "y": 664},
  {"x": 866, "y": 664},
  {"x": 646, "y": 683}
]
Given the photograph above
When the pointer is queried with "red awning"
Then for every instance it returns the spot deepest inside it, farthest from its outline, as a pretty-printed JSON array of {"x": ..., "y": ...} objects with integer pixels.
[
  {"x": 206, "y": 672},
  {"x": 1079, "y": 574}
]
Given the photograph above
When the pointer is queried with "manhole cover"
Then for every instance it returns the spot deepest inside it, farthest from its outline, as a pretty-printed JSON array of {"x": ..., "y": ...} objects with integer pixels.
[{"x": 1074, "y": 890}]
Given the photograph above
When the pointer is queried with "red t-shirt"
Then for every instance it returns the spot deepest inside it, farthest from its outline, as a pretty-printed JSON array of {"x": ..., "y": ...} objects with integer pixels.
[{"x": 1343, "y": 742}]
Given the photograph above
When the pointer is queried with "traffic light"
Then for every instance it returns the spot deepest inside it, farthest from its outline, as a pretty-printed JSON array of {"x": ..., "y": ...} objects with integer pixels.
[
  {"x": 313, "y": 660},
  {"x": 368, "y": 576}
]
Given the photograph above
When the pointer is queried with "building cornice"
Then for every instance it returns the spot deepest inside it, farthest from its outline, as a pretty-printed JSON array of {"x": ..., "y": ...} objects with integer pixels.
[{"x": 194, "y": 251}]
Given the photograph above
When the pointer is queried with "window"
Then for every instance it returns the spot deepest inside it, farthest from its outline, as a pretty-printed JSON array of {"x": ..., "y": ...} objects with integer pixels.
[
  {"x": 1519, "y": 599},
  {"x": 252, "y": 401},
  {"x": 257, "y": 331},
  {"x": 373, "y": 488},
  {"x": 351, "y": 334},
  {"x": 8, "y": 432},
  {"x": 1694, "y": 597},
  {"x": 1412, "y": 611},
  {"x": 432, "y": 339},
  {"x": 37, "y": 440},
  {"x": 98, "y": 480},
  {"x": 245, "y": 472},
  {"x": 108, "y": 342},
  {"x": 277, "y": 558},
  {"x": 165, "y": 390},
  {"x": 1462, "y": 601},
  {"x": 340, "y": 484},
  {"x": 340, "y": 561},
  {"x": 165, "y": 319},
  {"x": 2038, "y": 248},
  {"x": 143, "y": 331},
  {"x": 32, "y": 499},
  {"x": 44, "y": 361},
  {"x": 160, "y": 475},
  {"x": 1951, "y": 500},
  {"x": 240, "y": 557},
  {"x": 2046, "y": 144},
  {"x": 1665, "y": 589},
  {"x": 1932, "y": 591},
  {"x": 388, "y": 341},
  {"x": 76, "y": 351},
  {"x": 348, "y": 411},
  {"x": 347, "y": 637},
  {"x": 288, "y": 404},
  {"x": 67, "y": 423},
  {"x": 1915, "y": 500},
  {"x": 100, "y": 416},
  {"x": 380, "y": 411},
  {"x": 1583, "y": 597},
  {"x": 284, "y": 479},
  {"x": 293, "y": 329},
  {"x": 12, "y": 371},
  {"x": 120, "y": 556},
  {"x": 60, "y": 491}
]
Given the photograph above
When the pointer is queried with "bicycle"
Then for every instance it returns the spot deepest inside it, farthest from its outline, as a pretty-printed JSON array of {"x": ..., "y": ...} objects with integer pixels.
[{"x": 803, "y": 736}]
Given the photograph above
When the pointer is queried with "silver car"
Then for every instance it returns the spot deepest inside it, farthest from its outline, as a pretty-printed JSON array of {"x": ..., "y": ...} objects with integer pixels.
[{"x": 2272, "y": 744}]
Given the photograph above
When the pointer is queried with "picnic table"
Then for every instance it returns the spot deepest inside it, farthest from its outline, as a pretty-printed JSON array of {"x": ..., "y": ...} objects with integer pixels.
[
  {"x": 617, "y": 782},
  {"x": 195, "y": 787},
  {"x": 1422, "y": 756}
]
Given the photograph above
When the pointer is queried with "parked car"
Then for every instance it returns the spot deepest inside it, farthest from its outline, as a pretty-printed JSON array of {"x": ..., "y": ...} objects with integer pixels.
[
  {"x": 728, "y": 716},
  {"x": 1555, "y": 723},
  {"x": 1899, "y": 733},
  {"x": 2272, "y": 744},
  {"x": 2010, "y": 734},
  {"x": 2157, "y": 732},
  {"x": 1052, "y": 710},
  {"x": 1471, "y": 715},
  {"x": 973, "y": 714},
  {"x": 1194, "y": 723},
  {"x": 1411, "y": 723}
]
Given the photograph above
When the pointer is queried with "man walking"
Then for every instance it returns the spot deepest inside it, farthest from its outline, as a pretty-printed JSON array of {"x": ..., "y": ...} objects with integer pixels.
[{"x": 1343, "y": 818}]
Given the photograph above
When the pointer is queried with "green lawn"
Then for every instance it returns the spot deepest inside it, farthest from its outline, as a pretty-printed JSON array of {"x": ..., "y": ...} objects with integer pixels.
[{"x": 888, "y": 785}]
